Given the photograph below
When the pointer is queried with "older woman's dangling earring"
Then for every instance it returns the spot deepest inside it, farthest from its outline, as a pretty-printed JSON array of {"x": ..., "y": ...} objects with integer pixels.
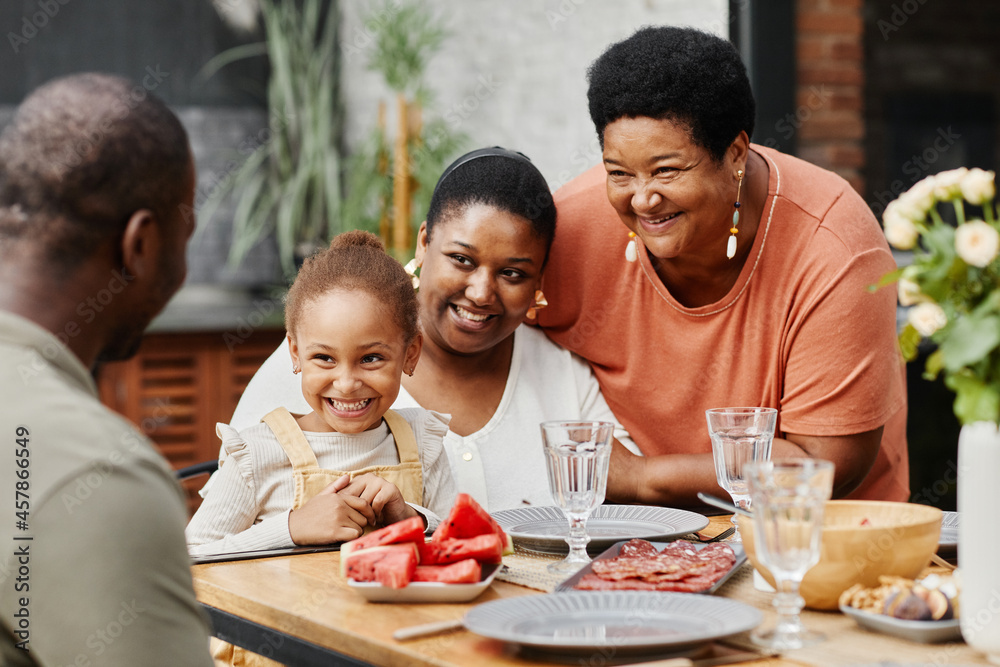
[
  {"x": 632, "y": 248},
  {"x": 731, "y": 248}
]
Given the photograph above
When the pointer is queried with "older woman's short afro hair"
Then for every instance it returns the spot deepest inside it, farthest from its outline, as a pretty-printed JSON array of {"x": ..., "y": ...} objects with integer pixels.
[{"x": 681, "y": 74}]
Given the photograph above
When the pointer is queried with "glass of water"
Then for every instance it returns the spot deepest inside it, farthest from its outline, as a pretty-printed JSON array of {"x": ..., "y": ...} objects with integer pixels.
[
  {"x": 739, "y": 436},
  {"x": 788, "y": 501},
  {"x": 577, "y": 454}
]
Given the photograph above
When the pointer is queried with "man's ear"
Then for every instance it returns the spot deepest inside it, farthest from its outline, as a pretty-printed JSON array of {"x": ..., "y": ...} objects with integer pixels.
[{"x": 141, "y": 244}]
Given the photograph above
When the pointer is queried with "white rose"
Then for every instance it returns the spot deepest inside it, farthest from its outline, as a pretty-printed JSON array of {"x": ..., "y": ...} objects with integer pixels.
[
  {"x": 927, "y": 318},
  {"x": 977, "y": 243},
  {"x": 921, "y": 195},
  {"x": 948, "y": 184},
  {"x": 909, "y": 207},
  {"x": 900, "y": 232},
  {"x": 909, "y": 292},
  {"x": 978, "y": 187}
]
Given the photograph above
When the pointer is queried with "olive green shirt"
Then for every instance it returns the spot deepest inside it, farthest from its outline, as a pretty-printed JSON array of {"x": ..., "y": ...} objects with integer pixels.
[{"x": 93, "y": 565}]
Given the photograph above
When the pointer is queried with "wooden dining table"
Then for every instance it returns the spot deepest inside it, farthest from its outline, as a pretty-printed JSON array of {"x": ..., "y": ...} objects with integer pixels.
[{"x": 299, "y": 610}]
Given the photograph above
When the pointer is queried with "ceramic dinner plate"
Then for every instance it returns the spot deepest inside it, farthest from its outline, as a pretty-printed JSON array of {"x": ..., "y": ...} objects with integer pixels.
[
  {"x": 545, "y": 529},
  {"x": 612, "y": 552},
  {"x": 581, "y": 622},
  {"x": 949, "y": 532},
  {"x": 425, "y": 591},
  {"x": 926, "y": 632}
]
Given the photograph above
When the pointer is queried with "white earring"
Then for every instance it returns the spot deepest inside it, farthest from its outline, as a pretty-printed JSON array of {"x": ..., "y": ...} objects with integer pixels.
[
  {"x": 731, "y": 246},
  {"x": 632, "y": 248}
]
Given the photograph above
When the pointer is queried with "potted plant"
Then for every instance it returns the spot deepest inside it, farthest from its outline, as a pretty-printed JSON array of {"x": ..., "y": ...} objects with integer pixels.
[
  {"x": 290, "y": 186},
  {"x": 953, "y": 291},
  {"x": 391, "y": 177}
]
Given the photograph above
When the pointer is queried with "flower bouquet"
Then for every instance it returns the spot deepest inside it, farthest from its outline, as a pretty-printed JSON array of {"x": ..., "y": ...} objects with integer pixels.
[{"x": 953, "y": 284}]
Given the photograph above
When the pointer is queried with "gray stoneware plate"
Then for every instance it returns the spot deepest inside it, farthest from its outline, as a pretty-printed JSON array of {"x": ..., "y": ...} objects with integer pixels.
[
  {"x": 581, "y": 622},
  {"x": 925, "y": 632},
  {"x": 948, "y": 542},
  {"x": 545, "y": 529}
]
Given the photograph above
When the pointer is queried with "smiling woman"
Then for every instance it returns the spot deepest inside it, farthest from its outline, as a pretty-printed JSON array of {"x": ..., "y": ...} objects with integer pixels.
[
  {"x": 645, "y": 284},
  {"x": 481, "y": 254}
]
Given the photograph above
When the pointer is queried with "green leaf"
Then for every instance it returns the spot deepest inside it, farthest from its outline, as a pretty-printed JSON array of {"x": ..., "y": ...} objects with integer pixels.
[
  {"x": 887, "y": 279},
  {"x": 934, "y": 365},
  {"x": 230, "y": 56},
  {"x": 969, "y": 340},
  {"x": 909, "y": 339},
  {"x": 974, "y": 400}
]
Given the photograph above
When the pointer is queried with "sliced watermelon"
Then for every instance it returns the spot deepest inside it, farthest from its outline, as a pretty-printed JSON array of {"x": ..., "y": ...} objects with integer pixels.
[
  {"x": 467, "y": 571},
  {"x": 484, "y": 548},
  {"x": 407, "y": 530},
  {"x": 391, "y": 565},
  {"x": 468, "y": 519}
]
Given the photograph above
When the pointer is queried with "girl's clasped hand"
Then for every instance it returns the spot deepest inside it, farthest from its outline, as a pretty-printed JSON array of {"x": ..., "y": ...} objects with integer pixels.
[{"x": 343, "y": 509}]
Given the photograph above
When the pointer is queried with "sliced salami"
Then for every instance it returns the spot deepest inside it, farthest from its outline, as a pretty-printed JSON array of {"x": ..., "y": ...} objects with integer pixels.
[{"x": 680, "y": 566}]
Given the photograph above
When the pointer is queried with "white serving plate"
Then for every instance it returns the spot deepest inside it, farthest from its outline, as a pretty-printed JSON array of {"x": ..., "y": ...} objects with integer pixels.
[
  {"x": 581, "y": 622},
  {"x": 925, "y": 632},
  {"x": 545, "y": 529},
  {"x": 425, "y": 591}
]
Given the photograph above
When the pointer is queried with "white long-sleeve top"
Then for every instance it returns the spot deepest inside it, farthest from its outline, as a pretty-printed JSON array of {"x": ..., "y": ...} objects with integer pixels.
[
  {"x": 247, "y": 504},
  {"x": 501, "y": 465}
]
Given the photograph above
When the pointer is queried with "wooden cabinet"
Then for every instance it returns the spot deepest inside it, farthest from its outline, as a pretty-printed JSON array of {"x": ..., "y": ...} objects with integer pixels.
[{"x": 180, "y": 384}]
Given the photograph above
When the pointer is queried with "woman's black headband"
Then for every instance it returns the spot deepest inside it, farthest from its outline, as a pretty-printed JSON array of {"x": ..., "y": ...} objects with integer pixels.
[{"x": 495, "y": 151}]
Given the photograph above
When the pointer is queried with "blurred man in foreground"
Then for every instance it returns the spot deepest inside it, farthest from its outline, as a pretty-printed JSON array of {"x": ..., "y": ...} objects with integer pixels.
[{"x": 96, "y": 177}]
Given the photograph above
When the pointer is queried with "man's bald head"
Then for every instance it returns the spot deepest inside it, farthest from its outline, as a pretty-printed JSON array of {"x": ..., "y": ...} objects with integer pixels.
[{"x": 82, "y": 154}]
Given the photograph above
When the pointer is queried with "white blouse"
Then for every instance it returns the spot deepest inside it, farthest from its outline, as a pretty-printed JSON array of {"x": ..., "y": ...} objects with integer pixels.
[{"x": 248, "y": 500}]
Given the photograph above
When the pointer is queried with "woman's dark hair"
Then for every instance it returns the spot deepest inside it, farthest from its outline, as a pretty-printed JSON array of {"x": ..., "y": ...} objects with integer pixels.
[
  {"x": 681, "y": 74},
  {"x": 355, "y": 260},
  {"x": 497, "y": 177}
]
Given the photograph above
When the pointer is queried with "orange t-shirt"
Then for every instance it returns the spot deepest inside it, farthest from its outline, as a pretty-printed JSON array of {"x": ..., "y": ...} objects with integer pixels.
[{"x": 799, "y": 331}]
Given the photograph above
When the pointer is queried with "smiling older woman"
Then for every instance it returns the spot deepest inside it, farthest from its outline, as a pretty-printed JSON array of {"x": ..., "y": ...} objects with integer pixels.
[{"x": 680, "y": 305}]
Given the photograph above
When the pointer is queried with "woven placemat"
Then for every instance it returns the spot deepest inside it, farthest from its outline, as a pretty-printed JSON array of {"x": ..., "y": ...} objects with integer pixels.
[{"x": 528, "y": 569}]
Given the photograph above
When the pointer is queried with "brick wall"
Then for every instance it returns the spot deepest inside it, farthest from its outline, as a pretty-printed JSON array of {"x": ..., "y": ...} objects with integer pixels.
[{"x": 830, "y": 90}]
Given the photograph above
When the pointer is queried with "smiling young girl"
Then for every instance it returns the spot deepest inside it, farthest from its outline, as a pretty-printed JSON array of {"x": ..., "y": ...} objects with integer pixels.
[{"x": 325, "y": 476}]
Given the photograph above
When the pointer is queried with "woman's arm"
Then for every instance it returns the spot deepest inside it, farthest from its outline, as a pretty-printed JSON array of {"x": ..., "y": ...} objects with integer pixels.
[{"x": 675, "y": 479}]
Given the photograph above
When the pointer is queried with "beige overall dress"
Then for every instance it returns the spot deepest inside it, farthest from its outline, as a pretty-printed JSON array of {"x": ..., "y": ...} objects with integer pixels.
[{"x": 310, "y": 479}]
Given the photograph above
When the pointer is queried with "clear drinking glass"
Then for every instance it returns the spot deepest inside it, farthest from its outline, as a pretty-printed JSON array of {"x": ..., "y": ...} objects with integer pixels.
[
  {"x": 576, "y": 457},
  {"x": 788, "y": 501},
  {"x": 739, "y": 436}
]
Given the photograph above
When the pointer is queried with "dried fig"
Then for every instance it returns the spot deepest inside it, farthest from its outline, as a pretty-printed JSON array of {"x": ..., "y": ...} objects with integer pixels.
[
  {"x": 908, "y": 606},
  {"x": 939, "y": 605}
]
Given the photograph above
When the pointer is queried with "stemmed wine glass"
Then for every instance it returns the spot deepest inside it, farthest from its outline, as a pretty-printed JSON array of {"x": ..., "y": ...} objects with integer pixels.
[
  {"x": 788, "y": 501},
  {"x": 739, "y": 436},
  {"x": 577, "y": 454}
]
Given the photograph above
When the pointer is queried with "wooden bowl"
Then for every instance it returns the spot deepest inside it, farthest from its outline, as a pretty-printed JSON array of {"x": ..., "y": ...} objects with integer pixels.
[{"x": 898, "y": 539}]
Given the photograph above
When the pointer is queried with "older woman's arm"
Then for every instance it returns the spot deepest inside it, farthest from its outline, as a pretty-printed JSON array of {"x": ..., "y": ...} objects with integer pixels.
[{"x": 675, "y": 479}]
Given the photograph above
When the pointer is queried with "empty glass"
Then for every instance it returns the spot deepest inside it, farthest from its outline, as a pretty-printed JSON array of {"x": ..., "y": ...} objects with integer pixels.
[
  {"x": 739, "y": 436},
  {"x": 788, "y": 501},
  {"x": 576, "y": 457}
]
